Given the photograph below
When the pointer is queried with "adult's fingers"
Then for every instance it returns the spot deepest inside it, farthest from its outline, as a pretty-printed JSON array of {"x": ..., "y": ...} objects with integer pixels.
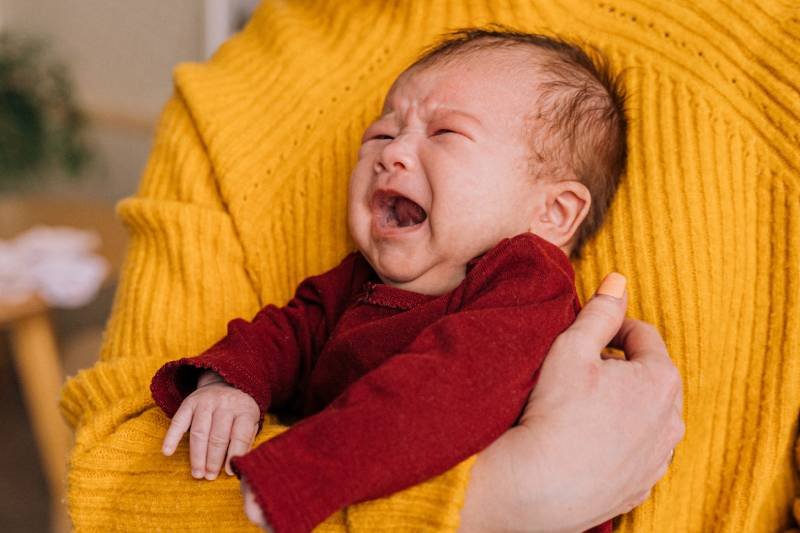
[
  {"x": 242, "y": 435},
  {"x": 679, "y": 396},
  {"x": 198, "y": 440},
  {"x": 643, "y": 343},
  {"x": 218, "y": 439},
  {"x": 675, "y": 437},
  {"x": 181, "y": 421},
  {"x": 600, "y": 318},
  {"x": 639, "y": 340},
  {"x": 680, "y": 427}
]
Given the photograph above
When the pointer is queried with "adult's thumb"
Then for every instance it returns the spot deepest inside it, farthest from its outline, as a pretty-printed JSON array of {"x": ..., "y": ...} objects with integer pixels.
[{"x": 600, "y": 319}]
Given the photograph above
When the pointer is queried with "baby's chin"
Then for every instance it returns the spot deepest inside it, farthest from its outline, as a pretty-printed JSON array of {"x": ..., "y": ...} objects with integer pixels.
[
  {"x": 432, "y": 281},
  {"x": 396, "y": 276}
]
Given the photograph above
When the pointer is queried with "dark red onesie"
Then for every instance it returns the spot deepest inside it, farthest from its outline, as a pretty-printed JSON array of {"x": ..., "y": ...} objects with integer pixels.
[{"x": 395, "y": 387}]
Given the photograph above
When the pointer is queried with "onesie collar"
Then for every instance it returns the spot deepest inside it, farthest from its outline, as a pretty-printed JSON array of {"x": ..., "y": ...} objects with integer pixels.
[{"x": 378, "y": 293}]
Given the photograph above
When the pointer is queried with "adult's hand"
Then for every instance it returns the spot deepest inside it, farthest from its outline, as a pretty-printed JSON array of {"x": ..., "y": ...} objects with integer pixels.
[{"x": 597, "y": 432}]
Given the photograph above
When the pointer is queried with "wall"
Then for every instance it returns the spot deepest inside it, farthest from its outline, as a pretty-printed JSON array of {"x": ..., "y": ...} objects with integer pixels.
[{"x": 121, "y": 55}]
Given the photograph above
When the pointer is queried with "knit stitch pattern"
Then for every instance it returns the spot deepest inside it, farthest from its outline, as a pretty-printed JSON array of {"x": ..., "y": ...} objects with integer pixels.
[{"x": 245, "y": 191}]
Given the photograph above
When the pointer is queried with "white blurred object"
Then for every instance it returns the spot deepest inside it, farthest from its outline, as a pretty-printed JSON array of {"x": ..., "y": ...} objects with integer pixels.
[
  {"x": 57, "y": 263},
  {"x": 16, "y": 282}
]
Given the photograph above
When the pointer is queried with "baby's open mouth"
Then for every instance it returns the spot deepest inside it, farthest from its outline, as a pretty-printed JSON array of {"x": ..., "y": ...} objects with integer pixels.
[{"x": 397, "y": 211}]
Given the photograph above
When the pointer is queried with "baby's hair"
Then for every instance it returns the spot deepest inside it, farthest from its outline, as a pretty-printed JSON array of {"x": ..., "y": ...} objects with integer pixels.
[{"x": 581, "y": 105}]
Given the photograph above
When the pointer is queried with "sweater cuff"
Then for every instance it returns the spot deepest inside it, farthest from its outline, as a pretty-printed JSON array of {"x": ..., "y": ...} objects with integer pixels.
[
  {"x": 174, "y": 381},
  {"x": 282, "y": 508}
]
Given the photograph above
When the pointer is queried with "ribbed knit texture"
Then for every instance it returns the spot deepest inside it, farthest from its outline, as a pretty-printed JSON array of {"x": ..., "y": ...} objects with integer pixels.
[{"x": 244, "y": 195}]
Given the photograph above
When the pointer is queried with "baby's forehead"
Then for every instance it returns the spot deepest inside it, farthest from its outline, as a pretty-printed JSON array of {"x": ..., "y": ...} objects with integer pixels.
[
  {"x": 490, "y": 81},
  {"x": 512, "y": 60}
]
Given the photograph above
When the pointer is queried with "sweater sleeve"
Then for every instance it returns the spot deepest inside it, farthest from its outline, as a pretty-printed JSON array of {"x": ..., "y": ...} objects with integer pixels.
[
  {"x": 459, "y": 385},
  {"x": 270, "y": 356},
  {"x": 183, "y": 276}
]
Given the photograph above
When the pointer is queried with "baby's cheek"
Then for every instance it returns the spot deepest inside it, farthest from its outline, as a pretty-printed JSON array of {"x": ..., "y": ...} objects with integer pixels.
[{"x": 362, "y": 175}]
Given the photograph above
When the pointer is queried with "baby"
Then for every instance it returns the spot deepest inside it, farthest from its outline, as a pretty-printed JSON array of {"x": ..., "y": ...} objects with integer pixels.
[{"x": 495, "y": 158}]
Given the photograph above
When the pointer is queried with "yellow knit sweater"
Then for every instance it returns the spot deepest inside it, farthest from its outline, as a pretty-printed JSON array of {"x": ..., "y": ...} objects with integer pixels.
[{"x": 244, "y": 195}]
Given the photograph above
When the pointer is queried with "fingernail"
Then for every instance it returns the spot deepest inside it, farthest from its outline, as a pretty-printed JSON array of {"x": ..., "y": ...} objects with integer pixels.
[
  {"x": 613, "y": 285},
  {"x": 197, "y": 474},
  {"x": 211, "y": 476}
]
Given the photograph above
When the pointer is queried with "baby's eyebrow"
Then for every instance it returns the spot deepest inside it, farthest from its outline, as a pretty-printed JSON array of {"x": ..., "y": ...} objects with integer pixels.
[
  {"x": 439, "y": 113},
  {"x": 449, "y": 112}
]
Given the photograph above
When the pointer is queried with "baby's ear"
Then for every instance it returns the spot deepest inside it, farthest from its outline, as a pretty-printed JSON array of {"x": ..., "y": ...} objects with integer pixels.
[{"x": 565, "y": 204}]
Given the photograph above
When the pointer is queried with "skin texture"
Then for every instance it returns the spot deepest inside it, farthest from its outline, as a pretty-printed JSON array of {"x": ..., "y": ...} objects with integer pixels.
[
  {"x": 223, "y": 422},
  {"x": 453, "y": 138}
]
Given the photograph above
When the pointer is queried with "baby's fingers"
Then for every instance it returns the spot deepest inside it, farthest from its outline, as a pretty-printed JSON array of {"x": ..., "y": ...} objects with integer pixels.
[
  {"x": 218, "y": 442},
  {"x": 180, "y": 425},
  {"x": 242, "y": 435},
  {"x": 198, "y": 440}
]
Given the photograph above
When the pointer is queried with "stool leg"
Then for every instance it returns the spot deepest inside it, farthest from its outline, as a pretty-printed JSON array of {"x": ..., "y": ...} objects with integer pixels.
[{"x": 39, "y": 370}]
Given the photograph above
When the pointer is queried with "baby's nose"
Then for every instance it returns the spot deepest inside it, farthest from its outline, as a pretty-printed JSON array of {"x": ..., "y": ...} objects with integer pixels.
[
  {"x": 395, "y": 157},
  {"x": 396, "y": 166}
]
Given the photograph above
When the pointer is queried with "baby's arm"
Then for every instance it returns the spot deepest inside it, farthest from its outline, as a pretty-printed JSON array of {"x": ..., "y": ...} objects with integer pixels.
[
  {"x": 272, "y": 355},
  {"x": 221, "y": 417},
  {"x": 452, "y": 391},
  {"x": 261, "y": 363}
]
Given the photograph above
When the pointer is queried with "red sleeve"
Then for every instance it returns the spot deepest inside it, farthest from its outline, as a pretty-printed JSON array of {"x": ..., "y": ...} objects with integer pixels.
[
  {"x": 605, "y": 527},
  {"x": 270, "y": 356},
  {"x": 458, "y": 387}
]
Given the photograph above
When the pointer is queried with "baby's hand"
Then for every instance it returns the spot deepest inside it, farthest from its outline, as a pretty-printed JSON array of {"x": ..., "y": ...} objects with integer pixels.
[
  {"x": 252, "y": 509},
  {"x": 221, "y": 417}
]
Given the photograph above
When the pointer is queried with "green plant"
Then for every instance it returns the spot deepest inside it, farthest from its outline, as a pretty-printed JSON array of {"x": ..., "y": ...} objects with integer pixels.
[{"x": 41, "y": 125}]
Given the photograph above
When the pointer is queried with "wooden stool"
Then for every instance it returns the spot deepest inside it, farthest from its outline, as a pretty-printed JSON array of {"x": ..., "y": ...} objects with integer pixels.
[
  {"x": 35, "y": 355},
  {"x": 33, "y": 343}
]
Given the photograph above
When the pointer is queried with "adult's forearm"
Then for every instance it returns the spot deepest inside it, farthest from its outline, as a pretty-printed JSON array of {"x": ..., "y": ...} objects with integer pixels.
[{"x": 495, "y": 503}]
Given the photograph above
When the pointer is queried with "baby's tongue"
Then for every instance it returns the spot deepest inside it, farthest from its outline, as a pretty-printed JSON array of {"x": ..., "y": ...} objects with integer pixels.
[{"x": 408, "y": 213}]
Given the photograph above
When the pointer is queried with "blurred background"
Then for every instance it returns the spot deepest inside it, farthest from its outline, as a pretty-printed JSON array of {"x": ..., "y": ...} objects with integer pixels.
[{"x": 82, "y": 83}]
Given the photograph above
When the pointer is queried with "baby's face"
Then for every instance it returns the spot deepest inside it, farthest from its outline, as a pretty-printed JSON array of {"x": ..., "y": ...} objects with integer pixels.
[{"x": 443, "y": 175}]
